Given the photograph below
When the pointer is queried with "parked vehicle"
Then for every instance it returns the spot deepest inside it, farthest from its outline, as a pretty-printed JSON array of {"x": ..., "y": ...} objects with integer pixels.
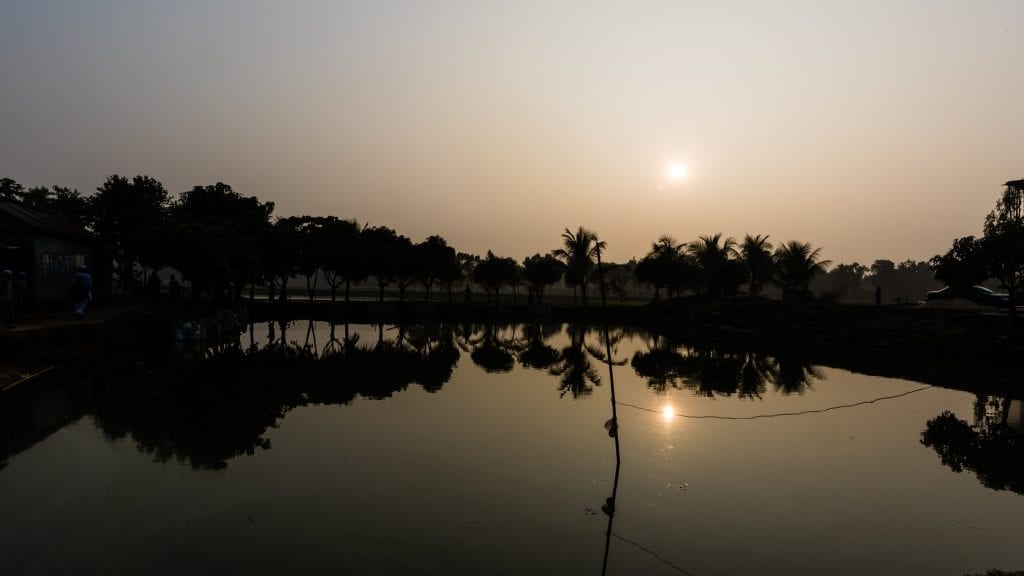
[{"x": 978, "y": 294}]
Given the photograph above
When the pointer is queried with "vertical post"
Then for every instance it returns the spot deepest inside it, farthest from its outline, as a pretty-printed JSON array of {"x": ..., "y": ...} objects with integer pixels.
[{"x": 613, "y": 430}]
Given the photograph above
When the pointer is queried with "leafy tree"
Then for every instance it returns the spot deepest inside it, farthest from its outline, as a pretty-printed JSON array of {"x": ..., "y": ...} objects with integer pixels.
[
  {"x": 66, "y": 202},
  {"x": 408, "y": 267},
  {"x": 756, "y": 255},
  {"x": 843, "y": 282},
  {"x": 36, "y": 196},
  {"x": 438, "y": 263},
  {"x": 280, "y": 250},
  {"x": 541, "y": 272},
  {"x": 661, "y": 267},
  {"x": 908, "y": 280},
  {"x": 10, "y": 189},
  {"x": 129, "y": 216},
  {"x": 448, "y": 271},
  {"x": 617, "y": 278},
  {"x": 1003, "y": 241},
  {"x": 343, "y": 259},
  {"x": 796, "y": 264},
  {"x": 381, "y": 246},
  {"x": 306, "y": 232},
  {"x": 578, "y": 252},
  {"x": 217, "y": 236},
  {"x": 963, "y": 265},
  {"x": 493, "y": 272}
]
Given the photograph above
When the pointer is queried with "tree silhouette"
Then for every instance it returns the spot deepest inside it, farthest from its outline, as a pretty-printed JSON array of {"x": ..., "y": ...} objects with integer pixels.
[
  {"x": 577, "y": 374},
  {"x": 216, "y": 236},
  {"x": 534, "y": 351},
  {"x": 963, "y": 265},
  {"x": 843, "y": 282},
  {"x": 65, "y": 202},
  {"x": 1003, "y": 241},
  {"x": 343, "y": 261},
  {"x": 716, "y": 260},
  {"x": 493, "y": 272},
  {"x": 990, "y": 448},
  {"x": 492, "y": 352},
  {"x": 756, "y": 255},
  {"x": 381, "y": 245},
  {"x": 10, "y": 189},
  {"x": 129, "y": 215},
  {"x": 437, "y": 264},
  {"x": 540, "y": 272},
  {"x": 796, "y": 264},
  {"x": 579, "y": 252},
  {"x": 667, "y": 266}
]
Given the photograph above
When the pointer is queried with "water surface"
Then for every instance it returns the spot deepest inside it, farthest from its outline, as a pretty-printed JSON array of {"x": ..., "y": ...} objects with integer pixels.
[{"x": 484, "y": 449}]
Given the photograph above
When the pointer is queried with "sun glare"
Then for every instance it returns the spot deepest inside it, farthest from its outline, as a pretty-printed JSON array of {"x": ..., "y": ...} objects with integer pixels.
[
  {"x": 668, "y": 412},
  {"x": 677, "y": 172}
]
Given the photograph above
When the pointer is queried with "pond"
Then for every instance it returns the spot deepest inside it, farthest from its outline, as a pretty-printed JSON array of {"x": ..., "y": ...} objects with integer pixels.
[{"x": 473, "y": 449}]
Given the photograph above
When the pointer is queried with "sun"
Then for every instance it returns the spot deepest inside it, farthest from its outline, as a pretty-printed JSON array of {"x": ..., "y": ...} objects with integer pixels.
[{"x": 677, "y": 172}]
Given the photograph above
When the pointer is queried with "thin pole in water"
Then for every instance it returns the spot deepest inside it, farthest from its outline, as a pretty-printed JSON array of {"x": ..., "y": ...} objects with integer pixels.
[{"x": 613, "y": 427}]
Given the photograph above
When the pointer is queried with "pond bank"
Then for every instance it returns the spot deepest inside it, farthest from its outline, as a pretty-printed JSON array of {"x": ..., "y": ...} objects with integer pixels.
[
  {"x": 962, "y": 348},
  {"x": 955, "y": 348}
]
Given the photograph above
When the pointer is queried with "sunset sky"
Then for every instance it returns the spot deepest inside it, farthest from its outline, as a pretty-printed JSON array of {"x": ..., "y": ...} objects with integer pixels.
[{"x": 873, "y": 129}]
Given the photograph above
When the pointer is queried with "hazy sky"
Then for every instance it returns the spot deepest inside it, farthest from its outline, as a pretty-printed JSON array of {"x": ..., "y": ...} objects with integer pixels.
[{"x": 874, "y": 129}]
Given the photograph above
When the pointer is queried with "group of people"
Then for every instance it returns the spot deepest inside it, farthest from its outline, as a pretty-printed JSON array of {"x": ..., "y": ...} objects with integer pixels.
[{"x": 15, "y": 295}]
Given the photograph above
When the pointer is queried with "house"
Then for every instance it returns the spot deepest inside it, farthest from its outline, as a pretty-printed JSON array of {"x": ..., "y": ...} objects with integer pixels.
[{"x": 49, "y": 248}]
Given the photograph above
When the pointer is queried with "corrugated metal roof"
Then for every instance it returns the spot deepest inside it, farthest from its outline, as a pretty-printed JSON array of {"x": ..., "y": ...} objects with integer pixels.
[{"x": 47, "y": 222}]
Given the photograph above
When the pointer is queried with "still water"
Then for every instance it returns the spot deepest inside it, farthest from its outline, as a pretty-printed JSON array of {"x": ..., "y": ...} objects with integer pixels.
[{"x": 487, "y": 450}]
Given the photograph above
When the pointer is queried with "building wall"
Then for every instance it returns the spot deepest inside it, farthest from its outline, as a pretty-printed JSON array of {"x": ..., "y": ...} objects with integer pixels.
[{"x": 54, "y": 263}]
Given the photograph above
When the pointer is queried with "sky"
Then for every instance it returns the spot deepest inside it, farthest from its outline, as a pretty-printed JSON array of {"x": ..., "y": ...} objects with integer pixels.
[{"x": 871, "y": 129}]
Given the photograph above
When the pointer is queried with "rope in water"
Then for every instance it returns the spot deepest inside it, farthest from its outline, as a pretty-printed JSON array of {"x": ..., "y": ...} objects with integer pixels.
[{"x": 778, "y": 414}]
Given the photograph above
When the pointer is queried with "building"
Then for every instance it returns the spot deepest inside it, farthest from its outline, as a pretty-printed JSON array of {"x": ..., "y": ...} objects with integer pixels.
[{"x": 49, "y": 248}]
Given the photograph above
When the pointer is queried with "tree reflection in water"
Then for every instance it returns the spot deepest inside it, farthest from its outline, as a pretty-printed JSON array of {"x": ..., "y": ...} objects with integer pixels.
[
  {"x": 211, "y": 406},
  {"x": 710, "y": 371},
  {"x": 992, "y": 448},
  {"x": 490, "y": 348},
  {"x": 533, "y": 349},
  {"x": 205, "y": 412}
]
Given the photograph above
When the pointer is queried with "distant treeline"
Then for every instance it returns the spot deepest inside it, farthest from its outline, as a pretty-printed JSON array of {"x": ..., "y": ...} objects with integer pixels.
[{"x": 225, "y": 244}]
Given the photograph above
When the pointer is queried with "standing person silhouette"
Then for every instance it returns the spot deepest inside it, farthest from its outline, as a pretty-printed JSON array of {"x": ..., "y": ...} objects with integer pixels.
[
  {"x": 878, "y": 295},
  {"x": 7, "y": 298},
  {"x": 80, "y": 292}
]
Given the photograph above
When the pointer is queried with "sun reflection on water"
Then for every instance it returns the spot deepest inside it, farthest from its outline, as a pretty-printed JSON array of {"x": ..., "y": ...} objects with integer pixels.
[{"x": 668, "y": 412}]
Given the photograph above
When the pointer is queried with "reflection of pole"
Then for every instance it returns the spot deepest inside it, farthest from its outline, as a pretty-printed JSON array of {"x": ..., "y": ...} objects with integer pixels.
[{"x": 613, "y": 424}]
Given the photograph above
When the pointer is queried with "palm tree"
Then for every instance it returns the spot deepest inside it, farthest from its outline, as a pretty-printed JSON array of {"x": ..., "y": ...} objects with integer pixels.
[
  {"x": 796, "y": 264},
  {"x": 578, "y": 252},
  {"x": 661, "y": 266},
  {"x": 715, "y": 257},
  {"x": 756, "y": 255}
]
